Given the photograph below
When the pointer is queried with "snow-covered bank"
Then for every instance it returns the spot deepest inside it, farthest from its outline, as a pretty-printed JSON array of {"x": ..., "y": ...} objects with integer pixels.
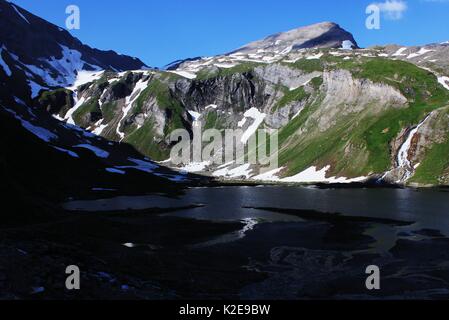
[{"x": 308, "y": 176}]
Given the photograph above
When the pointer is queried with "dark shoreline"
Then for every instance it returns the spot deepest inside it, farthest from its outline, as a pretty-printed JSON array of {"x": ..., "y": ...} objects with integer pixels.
[
  {"x": 147, "y": 254},
  {"x": 323, "y": 257},
  {"x": 36, "y": 255}
]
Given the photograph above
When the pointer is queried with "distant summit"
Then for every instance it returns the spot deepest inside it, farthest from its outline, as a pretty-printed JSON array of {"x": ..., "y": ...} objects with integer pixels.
[
  {"x": 50, "y": 55},
  {"x": 320, "y": 35}
]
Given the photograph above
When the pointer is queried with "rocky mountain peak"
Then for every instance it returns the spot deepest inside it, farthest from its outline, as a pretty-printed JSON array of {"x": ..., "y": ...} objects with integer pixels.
[
  {"x": 39, "y": 43},
  {"x": 320, "y": 35}
]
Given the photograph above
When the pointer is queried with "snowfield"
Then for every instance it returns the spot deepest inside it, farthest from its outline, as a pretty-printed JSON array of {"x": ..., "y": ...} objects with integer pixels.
[
  {"x": 310, "y": 175},
  {"x": 84, "y": 77},
  {"x": 269, "y": 176},
  {"x": 419, "y": 53},
  {"x": 39, "y": 132},
  {"x": 313, "y": 175},
  {"x": 195, "y": 167},
  {"x": 3, "y": 64},
  {"x": 35, "y": 88},
  {"x": 185, "y": 74}
]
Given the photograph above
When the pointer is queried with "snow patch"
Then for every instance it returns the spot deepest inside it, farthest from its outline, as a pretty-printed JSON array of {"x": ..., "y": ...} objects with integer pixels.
[
  {"x": 70, "y": 153},
  {"x": 69, "y": 115},
  {"x": 419, "y": 53},
  {"x": 313, "y": 175},
  {"x": 98, "y": 152},
  {"x": 302, "y": 85},
  {"x": 35, "y": 88},
  {"x": 316, "y": 56},
  {"x": 138, "y": 89},
  {"x": 39, "y": 132},
  {"x": 347, "y": 45},
  {"x": 185, "y": 74},
  {"x": 141, "y": 165},
  {"x": 20, "y": 14},
  {"x": 69, "y": 69},
  {"x": 211, "y": 106},
  {"x": 269, "y": 176},
  {"x": 225, "y": 65},
  {"x": 99, "y": 129},
  {"x": 399, "y": 53},
  {"x": 3, "y": 64},
  {"x": 84, "y": 77},
  {"x": 298, "y": 113},
  {"x": 195, "y": 166},
  {"x": 195, "y": 115},
  {"x": 113, "y": 170},
  {"x": 444, "y": 81}
]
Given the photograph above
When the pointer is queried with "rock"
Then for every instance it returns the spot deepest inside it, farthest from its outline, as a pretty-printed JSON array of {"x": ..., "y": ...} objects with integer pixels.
[{"x": 321, "y": 35}]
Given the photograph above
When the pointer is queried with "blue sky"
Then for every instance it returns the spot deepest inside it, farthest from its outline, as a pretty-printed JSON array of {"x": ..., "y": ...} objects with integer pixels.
[{"x": 159, "y": 32}]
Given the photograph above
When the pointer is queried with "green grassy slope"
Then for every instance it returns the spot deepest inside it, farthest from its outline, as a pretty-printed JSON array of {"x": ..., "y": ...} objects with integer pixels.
[{"x": 359, "y": 144}]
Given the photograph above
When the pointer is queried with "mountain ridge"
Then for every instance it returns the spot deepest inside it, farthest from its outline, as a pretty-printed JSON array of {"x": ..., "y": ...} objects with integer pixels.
[
  {"x": 319, "y": 35},
  {"x": 343, "y": 114},
  {"x": 17, "y": 25},
  {"x": 47, "y": 55}
]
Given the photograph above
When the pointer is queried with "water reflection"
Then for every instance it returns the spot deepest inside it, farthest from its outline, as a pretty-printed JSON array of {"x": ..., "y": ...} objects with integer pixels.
[{"x": 429, "y": 208}]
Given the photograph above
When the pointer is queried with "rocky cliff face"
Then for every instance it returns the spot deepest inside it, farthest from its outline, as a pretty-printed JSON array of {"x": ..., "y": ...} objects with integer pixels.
[
  {"x": 320, "y": 35},
  {"x": 346, "y": 111},
  {"x": 343, "y": 114}
]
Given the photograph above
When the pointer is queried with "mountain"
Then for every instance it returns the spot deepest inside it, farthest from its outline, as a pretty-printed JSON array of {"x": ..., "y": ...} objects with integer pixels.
[
  {"x": 343, "y": 114},
  {"x": 38, "y": 150},
  {"x": 19, "y": 35},
  {"x": 46, "y": 55},
  {"x": 276, "y": 46},
  {"x": 320, "y": 35}
]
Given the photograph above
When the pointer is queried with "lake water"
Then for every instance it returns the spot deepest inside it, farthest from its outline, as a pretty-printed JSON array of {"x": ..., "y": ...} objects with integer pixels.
[
  {"x": 316, "y": 258},
  {"x": 428, "y": 208}
]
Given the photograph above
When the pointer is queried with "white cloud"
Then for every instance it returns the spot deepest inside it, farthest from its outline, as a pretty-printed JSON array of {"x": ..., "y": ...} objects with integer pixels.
[{"x": 392, "y": 9}]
